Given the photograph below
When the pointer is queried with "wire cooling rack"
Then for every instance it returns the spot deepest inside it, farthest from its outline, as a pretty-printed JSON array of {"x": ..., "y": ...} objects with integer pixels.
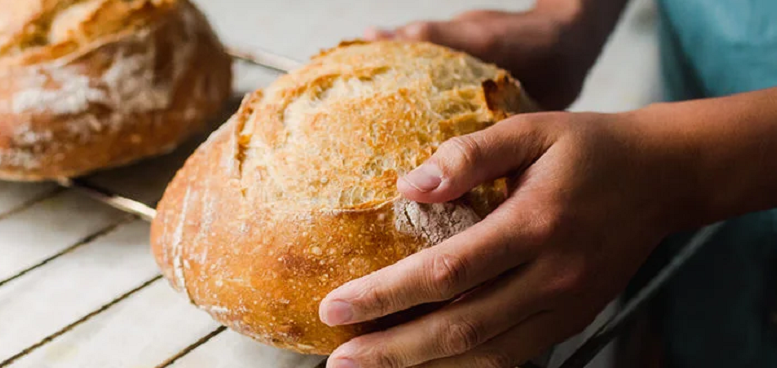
[{"x": 135, "y": 209}]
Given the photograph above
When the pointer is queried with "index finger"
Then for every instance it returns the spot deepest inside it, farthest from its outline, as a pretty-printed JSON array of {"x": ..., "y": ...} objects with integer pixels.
[{"x": 435, "y": 274}]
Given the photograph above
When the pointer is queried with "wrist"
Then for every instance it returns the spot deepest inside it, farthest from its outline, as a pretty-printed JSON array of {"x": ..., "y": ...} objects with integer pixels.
[
  {"x": 670, "y": 161},
  {"x": 719, "y": 154}
]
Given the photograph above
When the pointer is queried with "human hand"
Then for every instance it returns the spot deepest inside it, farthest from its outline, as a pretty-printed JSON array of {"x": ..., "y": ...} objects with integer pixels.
[
  {"x": 549, "y": 49},
  {"x": 593, "y": 195}
]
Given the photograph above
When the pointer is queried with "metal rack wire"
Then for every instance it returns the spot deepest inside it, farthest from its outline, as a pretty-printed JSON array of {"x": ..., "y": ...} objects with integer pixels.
[{"x": 136, "y": 209}]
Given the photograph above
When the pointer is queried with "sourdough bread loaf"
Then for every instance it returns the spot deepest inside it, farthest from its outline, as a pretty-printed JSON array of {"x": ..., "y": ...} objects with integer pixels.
[
  {"x": 88, "y": 84},
  {"x": 296, "y": 193}
]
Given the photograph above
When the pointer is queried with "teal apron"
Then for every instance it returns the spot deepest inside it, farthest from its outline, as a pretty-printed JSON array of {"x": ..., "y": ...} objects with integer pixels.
[{"x": 720, "y": 311}]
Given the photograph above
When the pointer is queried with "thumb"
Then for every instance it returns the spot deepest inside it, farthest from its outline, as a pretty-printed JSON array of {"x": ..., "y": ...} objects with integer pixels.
[{"x": 464, "y": 162}]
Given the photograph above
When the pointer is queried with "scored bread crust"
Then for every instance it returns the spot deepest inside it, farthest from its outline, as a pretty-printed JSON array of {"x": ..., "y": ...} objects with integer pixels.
[
  {"x": 90, "y": 84},
  {"x": 296, "y": 194}
]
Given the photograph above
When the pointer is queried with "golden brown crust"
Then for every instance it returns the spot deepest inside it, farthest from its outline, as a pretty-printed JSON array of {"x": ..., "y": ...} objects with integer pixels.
[
  {"x": 91, "y": 84},
  {"x": 295, "y": 194}
]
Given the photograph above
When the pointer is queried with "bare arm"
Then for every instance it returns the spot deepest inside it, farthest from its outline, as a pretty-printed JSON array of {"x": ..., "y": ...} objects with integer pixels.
[{"x": 729, "y": 147}]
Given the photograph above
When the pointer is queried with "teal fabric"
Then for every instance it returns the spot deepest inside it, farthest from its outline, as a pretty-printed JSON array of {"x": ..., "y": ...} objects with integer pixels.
[
  {"x": 718, "y": 47},
  {"x": 720, "y": 310}
]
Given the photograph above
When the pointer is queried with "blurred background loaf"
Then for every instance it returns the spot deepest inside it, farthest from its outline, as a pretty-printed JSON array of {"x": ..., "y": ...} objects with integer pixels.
[
  {"x": 89, "y": 84},
  {"x": 296, "y": 194}
]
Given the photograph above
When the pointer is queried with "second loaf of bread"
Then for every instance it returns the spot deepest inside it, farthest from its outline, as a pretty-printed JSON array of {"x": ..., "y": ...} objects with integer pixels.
[
  {"x": 296, "y": 194},
  {"x": 90, "y": 84}
]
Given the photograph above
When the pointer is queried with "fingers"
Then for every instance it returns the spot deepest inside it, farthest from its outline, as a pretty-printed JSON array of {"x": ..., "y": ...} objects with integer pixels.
[
  {"x": 439, "y": 273},
  {"x": 463, "y": 162},
  {"x": 451, "y": 331},
  {"x": 525, "y": 341},
  {"x": 463, "y": 33}
]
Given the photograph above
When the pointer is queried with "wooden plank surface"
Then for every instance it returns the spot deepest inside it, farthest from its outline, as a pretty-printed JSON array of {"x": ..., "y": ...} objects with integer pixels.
[
  {"x": 141, "y": 331},
  {"x": 44, "y": 301},
  {"x": 15, "y": 195},
  {"x": 48, "y": 227},
  {"x": 232, "y": 350}
]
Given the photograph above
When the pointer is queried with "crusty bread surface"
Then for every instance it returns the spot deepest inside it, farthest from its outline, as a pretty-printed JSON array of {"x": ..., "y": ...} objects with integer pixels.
[
  {"x": 296, "y": 194},
  {"x": 89, "y": 84}
]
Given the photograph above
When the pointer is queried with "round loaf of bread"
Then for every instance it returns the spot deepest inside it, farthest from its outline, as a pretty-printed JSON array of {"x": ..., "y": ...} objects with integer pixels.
[
  {"x": 296, "y": 194},
  {"x": 89, "y": 84}
]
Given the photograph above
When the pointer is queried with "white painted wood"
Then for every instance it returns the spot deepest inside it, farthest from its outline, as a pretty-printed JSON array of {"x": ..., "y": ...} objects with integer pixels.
[
  {"x": 627, "y": 75},
  {"x": 300, "y": 28},
  {"x": 146, "y": 180},
  {"x": 232, "y": 350},
  {"x": 13, "y": 195},
  {"x": 33, "y": 234},
  {"x": 141, "y": 331},
  {"x": 49, "y": 298}
]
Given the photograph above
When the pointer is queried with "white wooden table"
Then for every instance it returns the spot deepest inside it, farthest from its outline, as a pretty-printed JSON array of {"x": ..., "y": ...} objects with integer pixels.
[{"x": 78, "y": 285}]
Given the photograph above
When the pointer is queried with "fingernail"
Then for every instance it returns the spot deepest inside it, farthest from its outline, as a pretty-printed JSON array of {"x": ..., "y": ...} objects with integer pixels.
[
  {"x": 424, "y": 178},
  {"x": 337, "y": 312},
  {"x": 342, "y": 363}
]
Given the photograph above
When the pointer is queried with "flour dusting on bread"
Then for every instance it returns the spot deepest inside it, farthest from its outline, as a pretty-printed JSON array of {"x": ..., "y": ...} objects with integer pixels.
[
  {"x": 70, "y": 92},
  {"x": 130, "y": 84},
  {"x": 433, "y": 222}
]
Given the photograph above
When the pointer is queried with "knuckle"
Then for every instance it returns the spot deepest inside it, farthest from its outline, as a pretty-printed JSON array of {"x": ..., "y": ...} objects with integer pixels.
[
  {"x": 565, "y": 283},
  {"x": 554, "y": 33},
  {"x": 494, "y": 359},
  {"x": 570, "y": 280},
  {"x": 556, "y": 219},
  {"x": 376, "y": 353},
  {"x": 461, "y": 152},
  {"x": 448, "y": 271},
  {"x": 384, "y": 359},
  {"x": 460, "y": 336},
  {"x": 420, "y": 31},
  {"x": 374, "y": 300},
  {"x": 486, "y": 42},
  {"x": 578, "y": 277},
  {"x": 545, "y": 225}
]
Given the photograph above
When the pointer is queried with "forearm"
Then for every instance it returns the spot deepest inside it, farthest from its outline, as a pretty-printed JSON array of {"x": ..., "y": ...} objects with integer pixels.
[{"x": 724, "y": 148}]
